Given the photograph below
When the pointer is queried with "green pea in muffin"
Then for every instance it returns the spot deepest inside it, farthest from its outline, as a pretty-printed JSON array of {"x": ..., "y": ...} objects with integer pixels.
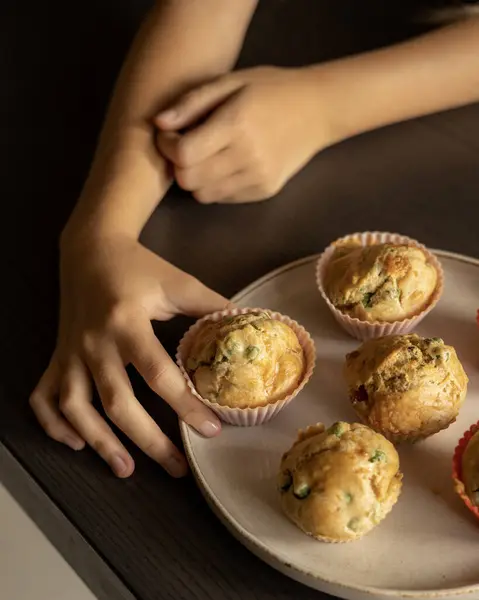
[
  {"x": 405, "y": 386},
  {"x": 338, "y": 484}
]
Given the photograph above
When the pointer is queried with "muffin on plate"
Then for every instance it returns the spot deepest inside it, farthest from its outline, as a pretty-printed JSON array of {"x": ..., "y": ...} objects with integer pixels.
[
  {"x": 383, "y": 282},
  {"x": 466, "y": 469},
  {"x": 379, "y": 283},
  {"x": 337, "y": 484},
  {"x": 405, "y": 386},
  {"x": 245, "y": 361}
]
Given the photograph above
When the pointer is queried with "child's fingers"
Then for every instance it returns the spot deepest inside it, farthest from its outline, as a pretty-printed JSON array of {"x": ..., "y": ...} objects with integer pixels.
[
  {"x": 44, "y": 403},
  {"x": 196, "y": 104},
  {"x": 194, "y": 299},
  {"x": 126, "y": 412},
  {"x": 163, "y": 376},
  {"x": 210, "y": 171},
  {"x": 167, "y": 143},
  {"x": 206, "y": 140},
  {"x": 75, "y": 404},
  {"x": 224, "y": 190}
]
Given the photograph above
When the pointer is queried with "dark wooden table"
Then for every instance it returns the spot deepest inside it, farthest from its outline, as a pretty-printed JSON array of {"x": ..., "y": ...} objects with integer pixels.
[{"x": 151, "y": 537}]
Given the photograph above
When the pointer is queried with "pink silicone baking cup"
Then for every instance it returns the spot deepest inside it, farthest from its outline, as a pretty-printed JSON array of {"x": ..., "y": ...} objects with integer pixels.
[
  {"x": 247, "y": 417},
  {"x": 365, "y": 330},
  {"x": 457, "y": 468}
]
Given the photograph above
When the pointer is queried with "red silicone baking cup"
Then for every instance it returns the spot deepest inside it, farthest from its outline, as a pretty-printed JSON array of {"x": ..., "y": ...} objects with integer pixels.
[
  {"x": 247, "y": 417},
  {"x": 457, "y": 468},
  {"x": 366, "y": 330}
]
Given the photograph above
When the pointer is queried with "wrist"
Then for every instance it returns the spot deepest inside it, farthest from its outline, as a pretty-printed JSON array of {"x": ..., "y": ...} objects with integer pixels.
[
  {"x": 325, "y": 93},
  {"x": 122, "y": 191},
  {"x": 334, "y": 114},
  {"x": 87, "y": 228}
]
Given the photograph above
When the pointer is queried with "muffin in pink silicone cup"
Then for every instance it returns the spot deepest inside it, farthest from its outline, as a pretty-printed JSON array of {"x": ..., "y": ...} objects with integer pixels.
[
  {"x": 246, "y": 364},
  {"x": 465, "y": 469},
  {"x": 405, "y": 386},
  {"x": 378, "y": 284}
]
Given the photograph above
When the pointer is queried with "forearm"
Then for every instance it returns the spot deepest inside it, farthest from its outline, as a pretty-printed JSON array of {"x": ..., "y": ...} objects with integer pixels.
[
  {"x": 181, "y": 44},
  {"x": 435, "y": 72}
]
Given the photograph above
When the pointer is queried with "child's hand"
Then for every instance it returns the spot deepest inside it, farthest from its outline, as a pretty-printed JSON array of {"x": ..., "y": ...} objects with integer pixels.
[
  {"x": 247, "y": 133},
  {"x": 110, "y": 291}
]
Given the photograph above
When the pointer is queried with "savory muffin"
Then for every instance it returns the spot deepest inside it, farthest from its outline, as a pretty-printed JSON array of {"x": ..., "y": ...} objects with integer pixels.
[
  {"x": 405, "y": 386},
  {"x": 338, "y": 484},
  {"x": 248, "y": 360},
  {"x": 470, "y": 469},
  {"x": 382, "y": 282}
]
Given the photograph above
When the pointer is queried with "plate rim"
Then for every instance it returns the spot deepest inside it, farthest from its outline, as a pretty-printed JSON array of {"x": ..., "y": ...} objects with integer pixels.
[{"x": 257, "y": 547}]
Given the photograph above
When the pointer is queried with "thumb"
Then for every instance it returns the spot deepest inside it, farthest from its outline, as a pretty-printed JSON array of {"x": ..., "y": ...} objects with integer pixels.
[
  {"x": 197, "y": 104},
  {"x": 195, "y": 299}
]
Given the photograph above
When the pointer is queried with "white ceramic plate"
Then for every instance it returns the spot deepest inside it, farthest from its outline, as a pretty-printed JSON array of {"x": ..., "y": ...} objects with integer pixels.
[{"x": 428, "y": 547}]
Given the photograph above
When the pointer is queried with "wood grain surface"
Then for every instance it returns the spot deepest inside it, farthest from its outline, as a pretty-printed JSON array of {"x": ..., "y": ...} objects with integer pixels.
[{"x": 58, "y": 62}]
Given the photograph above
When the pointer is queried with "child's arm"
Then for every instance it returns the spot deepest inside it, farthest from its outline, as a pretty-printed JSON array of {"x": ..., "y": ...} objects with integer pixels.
[
  {"x": 183, "y": 43},
  {"x": 435, "y": 72},
  {"x": 269, "y": 122},
  {"x": 111, "y": 286}
]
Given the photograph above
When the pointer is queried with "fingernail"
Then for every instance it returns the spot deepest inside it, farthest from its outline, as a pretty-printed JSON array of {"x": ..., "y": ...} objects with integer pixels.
[
  {"x": 176, "y": 466},
  {"x": 119, "y": 466},
  {"x": 209, "y": 428},
  {"x": 75, "y": 443},
  {"x": 168, "y": 115}
]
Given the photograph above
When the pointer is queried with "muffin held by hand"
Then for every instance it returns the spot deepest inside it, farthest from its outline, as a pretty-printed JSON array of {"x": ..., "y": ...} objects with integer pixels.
[
  {"x": 381, "y": 282},
  {"x": 245, "y": 361},
  {"x": 338, "y": 484},
  {"x": 405, "y": 386}
]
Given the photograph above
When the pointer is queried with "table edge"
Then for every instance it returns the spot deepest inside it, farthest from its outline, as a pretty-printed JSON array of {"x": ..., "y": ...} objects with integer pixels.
[{"x": 95, "y": 572}]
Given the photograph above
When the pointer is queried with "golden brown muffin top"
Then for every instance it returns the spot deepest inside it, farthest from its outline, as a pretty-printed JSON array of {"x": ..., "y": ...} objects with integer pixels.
[
  {"x": 470, "y": 469},
  {"x": 405, "y": 382},
  {"x": 340, "y": 482},
  {"x": 399, "y": 363},
  {"x": 382, "y": 282},
  {"x": 246, "y": 361}
]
